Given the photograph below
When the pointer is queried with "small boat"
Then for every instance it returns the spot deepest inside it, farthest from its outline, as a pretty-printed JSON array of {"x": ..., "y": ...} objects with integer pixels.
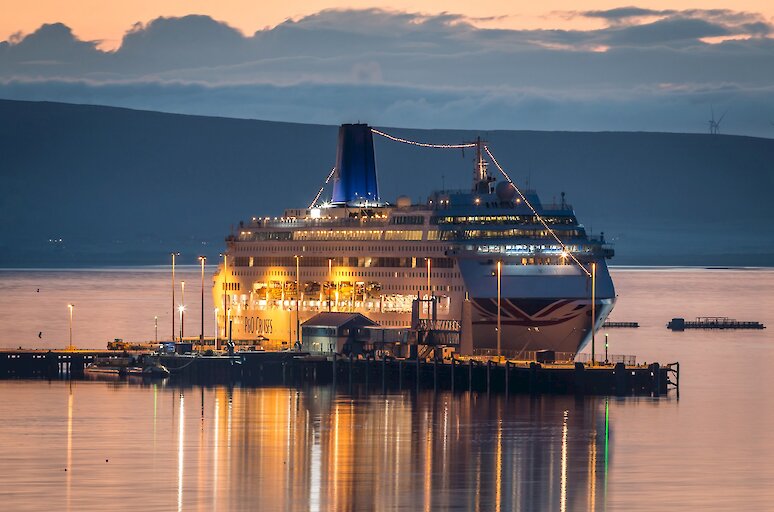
[
  {"x": 108, "y": 366},
  {"x": 155, "y": 369},
  {"x": 124, "y": 367}
]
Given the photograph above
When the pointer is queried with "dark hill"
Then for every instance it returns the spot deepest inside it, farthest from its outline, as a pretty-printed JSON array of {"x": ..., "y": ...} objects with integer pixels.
[{"x": 122, "y": 186}]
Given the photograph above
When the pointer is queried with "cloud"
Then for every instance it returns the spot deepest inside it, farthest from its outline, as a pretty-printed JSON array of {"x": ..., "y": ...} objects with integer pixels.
[
  {"x": 625, "y": 13},
  {"x": 418, "y": 70}
]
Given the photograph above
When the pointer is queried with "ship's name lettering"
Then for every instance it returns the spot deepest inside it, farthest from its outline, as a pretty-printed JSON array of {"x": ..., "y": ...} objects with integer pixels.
[{"x": 257, "y": 325}]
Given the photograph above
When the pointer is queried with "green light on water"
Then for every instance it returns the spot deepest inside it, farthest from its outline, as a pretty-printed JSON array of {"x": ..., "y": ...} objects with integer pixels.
[{"x": 607, "y": 442}]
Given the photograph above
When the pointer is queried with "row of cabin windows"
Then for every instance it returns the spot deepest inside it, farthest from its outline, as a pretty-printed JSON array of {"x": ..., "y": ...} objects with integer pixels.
[
  {"x": 338, "y": 248},
  {"x": 345, "y": 261},
  {"x": 346, "y": 273}
]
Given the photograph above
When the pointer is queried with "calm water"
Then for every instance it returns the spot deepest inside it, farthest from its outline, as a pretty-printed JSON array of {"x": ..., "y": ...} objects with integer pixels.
[{"x": 128, "y": 446}]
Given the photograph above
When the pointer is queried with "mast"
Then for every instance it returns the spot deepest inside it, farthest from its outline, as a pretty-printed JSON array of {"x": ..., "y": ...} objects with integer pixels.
[{"x": 481, "y": 177}]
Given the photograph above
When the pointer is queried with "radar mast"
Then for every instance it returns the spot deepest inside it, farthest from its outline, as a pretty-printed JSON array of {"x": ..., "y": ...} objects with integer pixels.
[{"x": 481, "y": 178}]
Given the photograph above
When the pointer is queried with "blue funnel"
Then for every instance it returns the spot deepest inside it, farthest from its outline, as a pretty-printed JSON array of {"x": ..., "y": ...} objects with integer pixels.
[{"x": 355, "y": 177}]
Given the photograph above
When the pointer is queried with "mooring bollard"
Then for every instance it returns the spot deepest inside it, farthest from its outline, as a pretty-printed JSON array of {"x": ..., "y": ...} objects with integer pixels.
[
  {"x": 620, "y": 378},
  {"x": 488, "y": 374},
  {"x": 453, "y": 361},
  {"x": 507, "y": 377},
  {"x": 435, "y": 374},
  {"x": 655, "y": 378},
  {"x": 580, "y": 379},
  {"x": 533, "y": 377}
]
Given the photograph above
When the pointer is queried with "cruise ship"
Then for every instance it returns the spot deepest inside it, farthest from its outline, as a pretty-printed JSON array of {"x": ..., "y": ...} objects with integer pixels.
[{"x": 453, "y": 258}]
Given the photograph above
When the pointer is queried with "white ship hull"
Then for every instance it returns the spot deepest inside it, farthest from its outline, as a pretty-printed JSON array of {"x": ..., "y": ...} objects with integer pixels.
[
  {"x": 541, "y": 307},
  {"x": 561, "y": 325}
]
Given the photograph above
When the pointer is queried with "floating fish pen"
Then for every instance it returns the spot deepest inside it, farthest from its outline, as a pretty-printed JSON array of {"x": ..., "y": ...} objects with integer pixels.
[
  {"x": 712, "y": 322},
  {"x": 627, "y": 325}
]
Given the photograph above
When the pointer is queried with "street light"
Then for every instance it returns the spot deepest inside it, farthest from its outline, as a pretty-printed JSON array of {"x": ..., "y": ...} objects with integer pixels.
[
  {"x": 499, "y": 289},
  {"x": 428, "y": 276},
  {"x": 202, "y": 259},
  {"x": 173, "y": 254},
  {"x": 70, "y": 346},
  {"x": 225, "y": 291},
  {"x": 593, "y": 307},
  {"x": 182, "y": 310},
  {"x": 216, "y": 329},
  {"x": 156, "y": 327},
  {"x": 298, "y": 298},
  {"x": 330, "y": 280}
]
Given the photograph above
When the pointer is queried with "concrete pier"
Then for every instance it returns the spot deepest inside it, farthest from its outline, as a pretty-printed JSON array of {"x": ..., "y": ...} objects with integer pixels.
[{"x": 296, "y": 368}]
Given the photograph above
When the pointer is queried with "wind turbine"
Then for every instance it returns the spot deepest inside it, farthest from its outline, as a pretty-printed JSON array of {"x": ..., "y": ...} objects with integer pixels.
[{"x": 714, "y": 126}]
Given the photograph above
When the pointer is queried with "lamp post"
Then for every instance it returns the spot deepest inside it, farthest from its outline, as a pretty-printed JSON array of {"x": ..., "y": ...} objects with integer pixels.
[
  {"x": 499, "y": 290},
  {"x": 216, "y": 329},
  {"x": 330, "y": 280},
  {"x": 202, "y": 259},
  {"x": 298, "y": 299},
  {"x": 173, "y": 254},
  {"x": 156, "y": 328},
  {"x": 225, "y": 291},
  {"x": 70, "y": 307},
  {"x": 182, "y": 310},
  {"x": 606, "y": 340},
  {"x": 428, "y": 277},
  {"x": 593, "y": 307}
]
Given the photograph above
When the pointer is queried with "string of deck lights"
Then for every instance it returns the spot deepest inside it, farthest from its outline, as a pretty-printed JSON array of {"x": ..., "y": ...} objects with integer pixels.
[
  {"x": 505, "y": 174},
  {"x": 314, "y": 201},
  {"x": 537, "y": 215},
  {"x": 423, "y": 144}
]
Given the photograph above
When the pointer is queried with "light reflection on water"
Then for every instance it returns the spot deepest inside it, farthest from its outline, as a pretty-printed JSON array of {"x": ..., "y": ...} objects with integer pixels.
[
  {"x": 316, "y": 449},
  {"x": 312, "y": 449}
]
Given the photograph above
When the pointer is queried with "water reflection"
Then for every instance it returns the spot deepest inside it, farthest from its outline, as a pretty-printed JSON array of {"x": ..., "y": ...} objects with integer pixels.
[
  {"x": 316, "y": 450},
  {"x": 69, "y": 461},
  {"x": 180, "y": 452}
]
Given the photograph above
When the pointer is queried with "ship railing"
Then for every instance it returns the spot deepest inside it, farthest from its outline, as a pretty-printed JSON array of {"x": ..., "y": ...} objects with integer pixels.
[{"x": 339, "y": 222}]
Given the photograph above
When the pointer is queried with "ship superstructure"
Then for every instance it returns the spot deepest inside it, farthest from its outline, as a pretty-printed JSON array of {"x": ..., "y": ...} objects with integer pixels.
[{"x": 358, "y": 253}]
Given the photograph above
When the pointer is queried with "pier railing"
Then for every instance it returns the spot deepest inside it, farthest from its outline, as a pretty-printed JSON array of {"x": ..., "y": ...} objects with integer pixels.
[
  {"x": 628, "y": 360},
  {"x": 526, "y": 355}
]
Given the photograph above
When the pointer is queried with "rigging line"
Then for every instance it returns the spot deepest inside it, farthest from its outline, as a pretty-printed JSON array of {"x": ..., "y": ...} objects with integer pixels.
[
  {"x": 314, "y": 201},
  {"x": 539, "y": 217},
  {"x": 423, "y": 144}
]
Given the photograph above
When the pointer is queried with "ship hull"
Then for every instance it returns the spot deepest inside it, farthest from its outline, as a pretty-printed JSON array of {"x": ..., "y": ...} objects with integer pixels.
[
  {"x": 541, "y": 307},
  {"x": 530, "y": 325}
]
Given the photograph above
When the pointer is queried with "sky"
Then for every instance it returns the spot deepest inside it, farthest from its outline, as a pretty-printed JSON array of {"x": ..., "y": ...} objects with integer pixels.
[{"x": 551, "y": 65}]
